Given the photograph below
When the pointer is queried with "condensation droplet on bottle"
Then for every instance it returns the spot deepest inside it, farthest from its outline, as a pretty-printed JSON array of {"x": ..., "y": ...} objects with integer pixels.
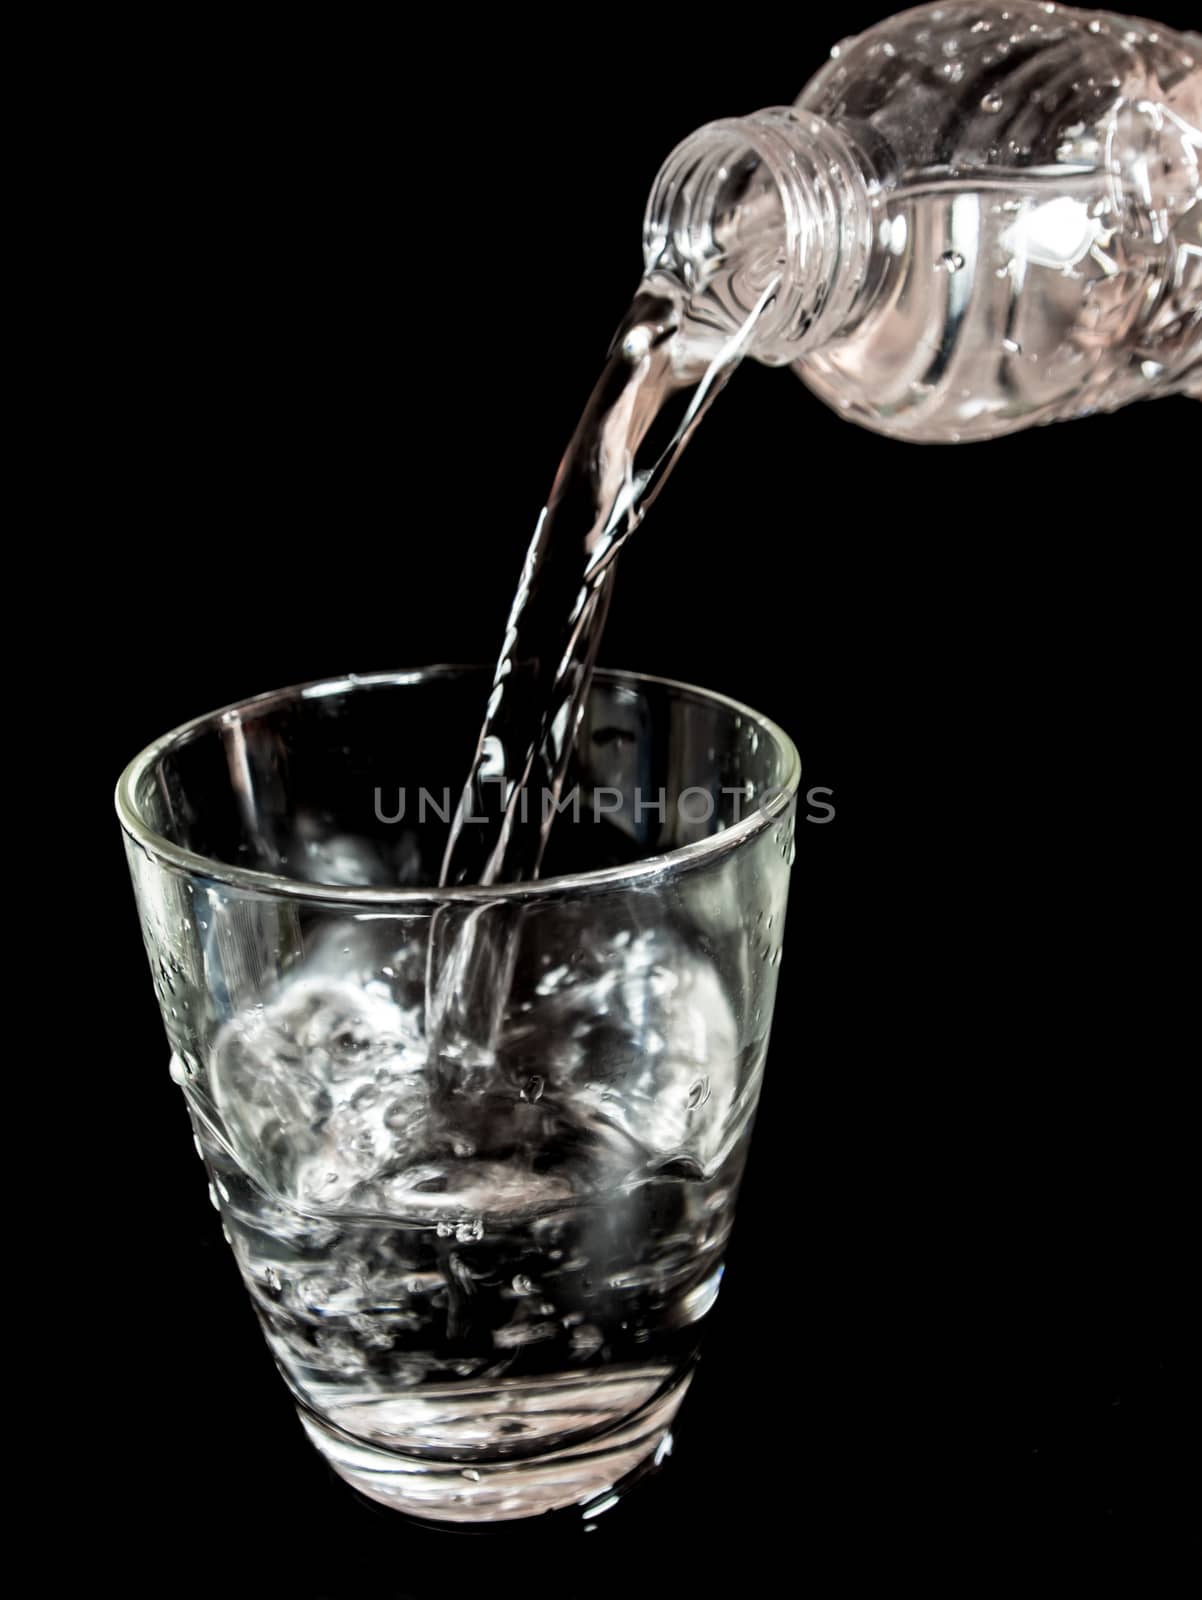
[
  {"x": 532, "y": 1089},
  {"x": 950, "y": 261},
  {"x": 992, "y": 103}
]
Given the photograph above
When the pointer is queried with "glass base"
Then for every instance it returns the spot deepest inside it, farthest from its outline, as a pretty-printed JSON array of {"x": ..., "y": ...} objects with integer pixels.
[{"x": 590, "y": 1473}]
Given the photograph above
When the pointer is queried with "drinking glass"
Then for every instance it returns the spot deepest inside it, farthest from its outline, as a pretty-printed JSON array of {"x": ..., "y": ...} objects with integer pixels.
[{"x": 476, "y": 1150}]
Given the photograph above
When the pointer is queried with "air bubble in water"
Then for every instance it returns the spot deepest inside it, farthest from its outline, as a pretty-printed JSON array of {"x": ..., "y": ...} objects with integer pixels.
[
  {"x": 951, "y": 261},
  {"x": 699, "y": 1093},
  {"x": 179, "y": 1073},
  {"x": 1013, "y": 346},
  {"x": 992, "y": 103},
  {"x": 532, "y": 1089},
  {"x": 637, "y": 343}
]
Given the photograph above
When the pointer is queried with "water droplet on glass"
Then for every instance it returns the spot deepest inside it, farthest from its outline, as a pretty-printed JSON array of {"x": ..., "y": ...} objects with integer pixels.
[
  {"x": 532, "y": 1089},
  {"x": 950, "y": 261},
  {"x": 992, "y": 103}
]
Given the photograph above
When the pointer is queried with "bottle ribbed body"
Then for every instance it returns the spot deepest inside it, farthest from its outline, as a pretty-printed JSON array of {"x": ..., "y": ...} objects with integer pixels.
[{"x": 1006, "y": 225}]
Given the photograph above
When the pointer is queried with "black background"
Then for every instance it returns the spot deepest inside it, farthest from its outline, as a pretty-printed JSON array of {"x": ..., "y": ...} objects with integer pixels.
[{"x": 348, "y": 294}]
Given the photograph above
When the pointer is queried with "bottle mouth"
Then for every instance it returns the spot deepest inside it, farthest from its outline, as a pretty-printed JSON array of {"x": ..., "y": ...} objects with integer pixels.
[
  {"x": 748, "y": 203},
  {"x": 719, "y": 222}
]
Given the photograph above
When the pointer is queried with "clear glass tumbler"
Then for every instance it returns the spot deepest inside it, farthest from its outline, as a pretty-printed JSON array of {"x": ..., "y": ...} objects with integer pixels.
[{"x": 476, "y": 1150}]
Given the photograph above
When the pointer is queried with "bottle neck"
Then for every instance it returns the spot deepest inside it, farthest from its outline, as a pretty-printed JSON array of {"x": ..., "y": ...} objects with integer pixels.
[{"x": 778, "y": 198}]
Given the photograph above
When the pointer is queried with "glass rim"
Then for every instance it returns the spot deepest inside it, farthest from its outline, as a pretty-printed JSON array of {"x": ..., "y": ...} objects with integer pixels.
[{"x": 273, "y": 886}]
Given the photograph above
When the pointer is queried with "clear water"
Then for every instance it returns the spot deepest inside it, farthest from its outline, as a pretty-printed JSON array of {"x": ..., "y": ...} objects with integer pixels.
[
  {"x": 492, "y": 1264},
  {"x": 663, "y": 372}
]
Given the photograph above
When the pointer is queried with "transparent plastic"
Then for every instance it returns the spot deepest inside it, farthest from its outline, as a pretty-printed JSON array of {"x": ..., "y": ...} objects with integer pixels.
[{"x": 981, "y": 217}]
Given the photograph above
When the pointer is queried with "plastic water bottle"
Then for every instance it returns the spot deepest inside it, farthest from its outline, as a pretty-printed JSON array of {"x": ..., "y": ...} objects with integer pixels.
[{"x": 978, "y": 217}]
